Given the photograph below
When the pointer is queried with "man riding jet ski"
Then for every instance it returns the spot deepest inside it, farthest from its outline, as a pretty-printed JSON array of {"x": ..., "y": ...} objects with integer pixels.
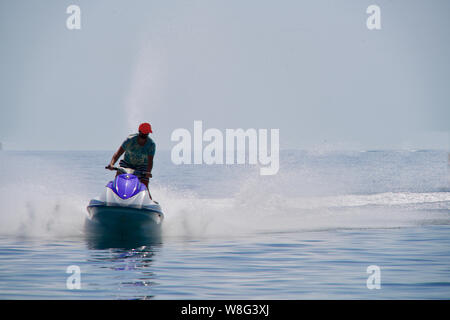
[
  {"x": 139, "y": 151},
  {"x": 126, "y": 201}
]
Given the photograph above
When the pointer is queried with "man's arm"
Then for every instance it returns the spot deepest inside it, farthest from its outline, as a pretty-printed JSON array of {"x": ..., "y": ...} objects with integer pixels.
[
  {"x": 116, "y": 157},
  {"x": 149, "y": 166}
]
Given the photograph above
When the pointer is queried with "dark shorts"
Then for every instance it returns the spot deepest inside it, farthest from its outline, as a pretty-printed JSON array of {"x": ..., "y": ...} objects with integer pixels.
[{"x": 140, "y": 169}]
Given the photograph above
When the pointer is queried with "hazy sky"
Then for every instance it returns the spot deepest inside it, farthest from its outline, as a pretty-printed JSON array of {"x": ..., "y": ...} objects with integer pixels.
[{"x": 309, "y": 68}]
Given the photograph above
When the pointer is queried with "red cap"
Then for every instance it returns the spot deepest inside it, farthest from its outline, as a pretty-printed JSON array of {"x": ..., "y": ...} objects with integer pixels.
[{"x": 145, "y": 128}]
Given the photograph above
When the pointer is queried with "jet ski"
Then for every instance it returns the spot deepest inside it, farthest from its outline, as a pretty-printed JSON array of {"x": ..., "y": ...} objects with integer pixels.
[{"x": 125, "y": 205}]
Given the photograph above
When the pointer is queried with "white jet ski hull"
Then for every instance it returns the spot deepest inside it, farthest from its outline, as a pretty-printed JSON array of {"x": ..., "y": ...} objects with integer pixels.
[{"x": 125, "y": 207}]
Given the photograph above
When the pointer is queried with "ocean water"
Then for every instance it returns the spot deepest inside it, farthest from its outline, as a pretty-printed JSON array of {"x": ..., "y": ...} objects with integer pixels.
[{"x": 309, "y": 232}]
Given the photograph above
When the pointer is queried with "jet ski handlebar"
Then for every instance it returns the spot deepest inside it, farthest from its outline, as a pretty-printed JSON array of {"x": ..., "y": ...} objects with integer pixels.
[
  {"x": 122, "y": 170},
  {"x": 116, "y": 169}
]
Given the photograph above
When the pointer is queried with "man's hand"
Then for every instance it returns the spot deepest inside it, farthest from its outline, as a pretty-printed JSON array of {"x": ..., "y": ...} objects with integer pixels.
[
  {"x": 110, "y": 167},
  {"x": 148, "y": 175}
]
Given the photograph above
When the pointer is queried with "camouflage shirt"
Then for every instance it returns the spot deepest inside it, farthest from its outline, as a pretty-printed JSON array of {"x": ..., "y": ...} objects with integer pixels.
[{"x": 135, "y": 154}]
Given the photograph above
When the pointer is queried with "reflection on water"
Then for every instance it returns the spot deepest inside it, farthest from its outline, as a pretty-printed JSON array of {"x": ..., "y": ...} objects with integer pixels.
[
  {"x": 128, "y": 257},
  {"x": 103, "y": 241}
]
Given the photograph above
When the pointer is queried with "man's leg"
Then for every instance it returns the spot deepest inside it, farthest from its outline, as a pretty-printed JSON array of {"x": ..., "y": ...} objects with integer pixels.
[{"x": 145, "y": 182}]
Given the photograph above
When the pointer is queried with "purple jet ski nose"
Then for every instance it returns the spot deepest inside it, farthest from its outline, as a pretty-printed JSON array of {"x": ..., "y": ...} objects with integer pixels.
[{"x": 125, "y": 186}]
